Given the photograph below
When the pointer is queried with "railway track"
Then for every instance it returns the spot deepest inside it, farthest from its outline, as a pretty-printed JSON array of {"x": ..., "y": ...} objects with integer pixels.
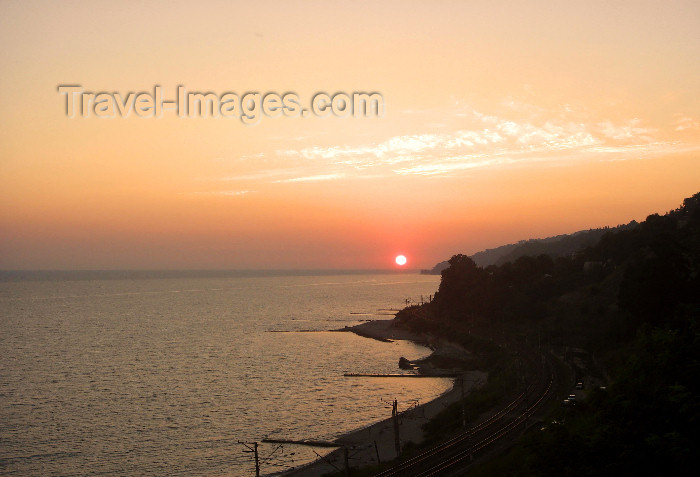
[{"x": 457, "y": 453}]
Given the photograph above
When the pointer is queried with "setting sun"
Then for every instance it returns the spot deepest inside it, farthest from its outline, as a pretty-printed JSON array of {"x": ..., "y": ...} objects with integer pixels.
[{"x": 401, "y": 260}]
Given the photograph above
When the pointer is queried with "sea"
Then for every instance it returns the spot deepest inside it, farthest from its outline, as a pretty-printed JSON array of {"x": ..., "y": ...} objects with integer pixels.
[{"x": 180, "y": 373}]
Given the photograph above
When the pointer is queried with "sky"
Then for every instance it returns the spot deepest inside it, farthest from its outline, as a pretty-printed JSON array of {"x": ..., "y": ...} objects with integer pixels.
[{"x": 501, "y": 121}]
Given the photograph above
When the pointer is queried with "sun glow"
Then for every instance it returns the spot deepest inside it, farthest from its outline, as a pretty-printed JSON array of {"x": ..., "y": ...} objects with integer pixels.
[{"x": 401, "y": 260}]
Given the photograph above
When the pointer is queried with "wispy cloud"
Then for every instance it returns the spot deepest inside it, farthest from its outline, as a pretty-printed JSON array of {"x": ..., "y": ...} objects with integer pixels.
[
  {"x": 488, "y": 134},
  {"x": 235, "y": 192},
  {"x": 319, "y": 177},
  {"x": 232, "y": 193},
  {"x": 684, "y": 123},
  {"x": 453, "y": 165},
  {"x": 629, "y": 131},
  {"x": 526, "y": 135}
]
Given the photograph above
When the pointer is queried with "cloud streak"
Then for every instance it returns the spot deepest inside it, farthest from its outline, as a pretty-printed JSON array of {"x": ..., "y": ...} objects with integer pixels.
[
  {"x": 229, "y": 193},
  {"x": 482, "y": 141},
  {"x": 685, "y": 123},
  {"x": 316, "y": 178}
]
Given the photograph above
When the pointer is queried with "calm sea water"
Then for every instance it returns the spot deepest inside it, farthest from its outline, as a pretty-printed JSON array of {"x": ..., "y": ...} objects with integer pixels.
[{"x": 163, "y": 376}]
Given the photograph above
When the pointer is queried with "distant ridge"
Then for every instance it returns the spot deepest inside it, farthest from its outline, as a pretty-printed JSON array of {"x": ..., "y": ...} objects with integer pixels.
[{"x": 556, "y": 246}]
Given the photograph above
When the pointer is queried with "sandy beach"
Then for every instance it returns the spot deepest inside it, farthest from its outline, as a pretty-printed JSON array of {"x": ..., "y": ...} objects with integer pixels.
[{"x": 377, "y": 441}]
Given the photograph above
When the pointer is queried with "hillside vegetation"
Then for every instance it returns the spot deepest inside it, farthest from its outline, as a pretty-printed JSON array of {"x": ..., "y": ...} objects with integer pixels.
[
  {"x": 630, "y": 304},
  {"x": 557, "y": 246}
]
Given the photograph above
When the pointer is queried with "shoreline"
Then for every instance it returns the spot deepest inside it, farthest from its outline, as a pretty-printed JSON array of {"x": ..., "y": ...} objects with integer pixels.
[{"x": 367, "y": 443}]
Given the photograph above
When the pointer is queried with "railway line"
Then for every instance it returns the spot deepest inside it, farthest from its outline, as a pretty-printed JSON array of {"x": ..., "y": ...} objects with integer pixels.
[{"x": 456, "y": 454}]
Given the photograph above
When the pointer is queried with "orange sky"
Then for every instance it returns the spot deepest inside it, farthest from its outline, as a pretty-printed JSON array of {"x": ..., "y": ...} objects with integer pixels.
[{"x": 503, "y": 121}]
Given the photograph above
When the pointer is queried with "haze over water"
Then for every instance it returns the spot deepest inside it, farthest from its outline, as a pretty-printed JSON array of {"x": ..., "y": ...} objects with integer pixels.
[{"x": 163, "y": 376}]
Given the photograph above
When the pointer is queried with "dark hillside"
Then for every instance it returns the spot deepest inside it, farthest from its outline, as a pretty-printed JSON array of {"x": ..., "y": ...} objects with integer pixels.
[
  {"x": 631, "y": 302},
  {"x": 558, "y": 246}
]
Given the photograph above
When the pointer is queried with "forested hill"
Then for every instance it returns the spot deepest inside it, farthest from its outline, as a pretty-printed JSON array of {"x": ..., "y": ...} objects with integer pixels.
[
  {"x": 631, "y": 300},
  {"x": 557, "y": 246}
]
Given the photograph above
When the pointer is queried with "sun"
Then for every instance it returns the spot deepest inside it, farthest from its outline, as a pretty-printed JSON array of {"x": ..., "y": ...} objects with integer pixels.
[{"x": 401, "y": 260}]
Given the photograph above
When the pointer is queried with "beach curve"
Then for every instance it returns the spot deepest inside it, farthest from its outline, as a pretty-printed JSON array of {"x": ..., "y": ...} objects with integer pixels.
[{"x": 375, "y": 443}]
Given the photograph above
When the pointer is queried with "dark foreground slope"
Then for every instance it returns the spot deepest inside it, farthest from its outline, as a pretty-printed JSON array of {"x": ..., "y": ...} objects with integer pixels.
[{"x": 630, "y": 304}]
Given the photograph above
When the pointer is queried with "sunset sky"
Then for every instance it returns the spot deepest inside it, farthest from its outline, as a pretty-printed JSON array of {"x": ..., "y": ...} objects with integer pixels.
[{"x": 503, "y": 121}]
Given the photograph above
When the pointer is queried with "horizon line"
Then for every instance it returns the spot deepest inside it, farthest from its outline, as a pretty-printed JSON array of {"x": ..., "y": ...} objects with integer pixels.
[{"x": 39, "y": 274}]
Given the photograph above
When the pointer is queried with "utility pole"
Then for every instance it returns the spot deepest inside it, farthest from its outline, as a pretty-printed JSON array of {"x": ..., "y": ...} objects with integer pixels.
[
  {"x": 395, "y": 416},
  {"x": 464, "y": 411},
  {"x": 253, "y": 449},
  {"x": 346, "y": 460}
]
